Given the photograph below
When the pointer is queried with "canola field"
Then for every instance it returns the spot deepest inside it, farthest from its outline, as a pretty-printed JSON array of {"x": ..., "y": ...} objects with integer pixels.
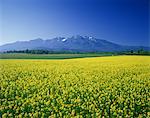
[{"x": 108, "y": 87}]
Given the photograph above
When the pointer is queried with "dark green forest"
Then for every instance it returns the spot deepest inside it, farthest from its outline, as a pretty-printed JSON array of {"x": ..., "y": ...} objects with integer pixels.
[{"x": 127, "y": 52}]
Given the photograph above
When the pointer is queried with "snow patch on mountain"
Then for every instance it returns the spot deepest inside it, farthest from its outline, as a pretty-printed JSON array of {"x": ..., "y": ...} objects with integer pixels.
[
  {"x": 64, "y": 39},
  {"x": 92, "y": 38}
]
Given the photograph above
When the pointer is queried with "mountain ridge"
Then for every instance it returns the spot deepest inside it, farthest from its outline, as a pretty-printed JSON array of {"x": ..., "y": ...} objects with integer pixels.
[{"x": 75, "y": 43}]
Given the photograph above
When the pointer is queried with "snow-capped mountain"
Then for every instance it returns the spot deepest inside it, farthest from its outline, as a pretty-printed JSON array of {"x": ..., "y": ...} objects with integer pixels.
[{"x": 74, "y": 43}]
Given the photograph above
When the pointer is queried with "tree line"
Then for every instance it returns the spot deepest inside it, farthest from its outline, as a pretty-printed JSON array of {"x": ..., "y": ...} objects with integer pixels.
[
  {"x": 128, "y": 52},
  {"x": 41, "y": 52}
]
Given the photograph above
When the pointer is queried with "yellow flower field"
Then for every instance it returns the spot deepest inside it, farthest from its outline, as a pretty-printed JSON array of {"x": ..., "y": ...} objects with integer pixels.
[{"x": 117, "y": 86}]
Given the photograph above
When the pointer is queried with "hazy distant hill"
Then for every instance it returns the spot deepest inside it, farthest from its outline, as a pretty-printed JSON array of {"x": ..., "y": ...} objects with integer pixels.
[{"x": 74, "y": 43}]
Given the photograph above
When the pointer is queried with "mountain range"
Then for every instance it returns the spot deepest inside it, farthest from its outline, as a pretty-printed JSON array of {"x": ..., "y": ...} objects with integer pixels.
[{"x": 74, "y": 44}]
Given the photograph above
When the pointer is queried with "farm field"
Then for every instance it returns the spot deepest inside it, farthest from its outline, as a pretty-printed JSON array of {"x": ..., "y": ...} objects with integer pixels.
[
  {"x": 48, "y": 56},
  {"x": 117, "y": 86}
]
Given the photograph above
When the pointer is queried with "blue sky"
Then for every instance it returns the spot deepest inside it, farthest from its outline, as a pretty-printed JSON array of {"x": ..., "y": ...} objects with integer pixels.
[{"x": 121, "y": 21}]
